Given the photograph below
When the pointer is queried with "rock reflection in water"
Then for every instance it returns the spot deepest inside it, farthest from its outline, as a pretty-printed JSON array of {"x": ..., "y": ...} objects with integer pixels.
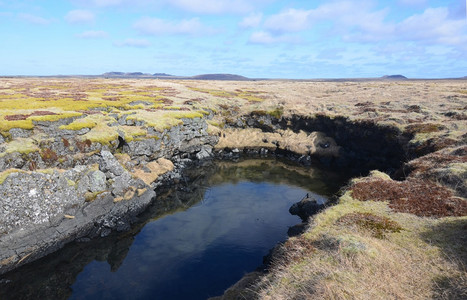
[{"x": 231, "y": 214}]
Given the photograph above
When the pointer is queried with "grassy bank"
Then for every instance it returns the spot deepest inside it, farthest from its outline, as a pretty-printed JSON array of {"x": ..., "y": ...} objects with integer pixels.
[{"x": 366, "y": 250}]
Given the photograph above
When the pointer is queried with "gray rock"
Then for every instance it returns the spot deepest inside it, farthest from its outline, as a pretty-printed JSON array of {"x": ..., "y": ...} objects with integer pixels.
[
  {"x": 83, "y": 185},
  {"x": 305, "y": 208},
  {"x": 20, "y": 133},
  {"x": 97, "y": 181},
  {"x": 121, "y": 184},
  {"x": 110, "y": 164},
  {"x": 205, "y": 152}
]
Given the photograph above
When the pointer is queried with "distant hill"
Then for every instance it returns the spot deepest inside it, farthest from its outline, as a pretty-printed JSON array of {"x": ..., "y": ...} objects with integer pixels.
[
  {"x": 219, "y": 77},
  {"x": 125, "y": 74},
  {"x": 394, "y": 77},
  {"x": 168, "y": 76},
  {"x": 162, "y": 74},
  {"x": 113, "y": 74}
]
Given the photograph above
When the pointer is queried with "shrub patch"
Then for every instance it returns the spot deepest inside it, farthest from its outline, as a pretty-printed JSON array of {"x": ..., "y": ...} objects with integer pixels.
[{"x": 421, "y": 197}]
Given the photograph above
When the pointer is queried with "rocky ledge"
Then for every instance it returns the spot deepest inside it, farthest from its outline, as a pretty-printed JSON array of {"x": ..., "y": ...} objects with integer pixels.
[{"x": 44, "y": 209}]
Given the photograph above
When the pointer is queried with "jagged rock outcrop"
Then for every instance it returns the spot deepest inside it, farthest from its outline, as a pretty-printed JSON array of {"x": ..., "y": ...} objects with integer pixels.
[{"x": 45, "y": 209}]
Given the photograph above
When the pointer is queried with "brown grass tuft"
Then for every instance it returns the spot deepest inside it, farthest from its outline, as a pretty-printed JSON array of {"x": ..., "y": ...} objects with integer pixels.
[
  {"x": 65, "y": 142},
  {"x": 82, "y": 145},
  {"x": 423, "y": 128},
  {"x": 16, "y": 117},
  {"x": 417, "y": 196},
  {"x": 48, "y": 155},
  {"x": 377, "y": 225}
]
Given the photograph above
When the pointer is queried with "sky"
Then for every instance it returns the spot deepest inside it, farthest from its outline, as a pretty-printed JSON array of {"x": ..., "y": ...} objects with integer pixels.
[{"x": 253, "y": 38}]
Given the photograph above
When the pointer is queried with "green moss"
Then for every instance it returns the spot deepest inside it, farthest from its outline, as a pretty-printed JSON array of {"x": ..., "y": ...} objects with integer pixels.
[
  {"x": 276, "y": 113},
  {"x": 89, "y": 197}
]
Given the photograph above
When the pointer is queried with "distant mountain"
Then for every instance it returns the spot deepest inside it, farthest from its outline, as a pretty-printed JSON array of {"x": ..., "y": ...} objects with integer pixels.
[
  {"x": 127, "y": 74},
  {"x": 161, "y": 74},
  {"x": 138, "y": 74},
  {"x": 168, "y": 76},
  {"x": 394, "y": 77},
  {"x": 219, "y": 77},
  {"x": 113, "y": 74}
]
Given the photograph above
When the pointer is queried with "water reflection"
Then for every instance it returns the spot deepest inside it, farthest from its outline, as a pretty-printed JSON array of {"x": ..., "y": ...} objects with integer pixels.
[{"x": 229, "y": 216}]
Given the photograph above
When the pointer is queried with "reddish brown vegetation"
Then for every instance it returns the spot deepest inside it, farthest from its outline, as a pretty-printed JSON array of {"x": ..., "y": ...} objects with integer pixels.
[
  {"x": 378, "y": 225},
  {"x": 433, "y": 145},
  {"x": 16, "y": 117},
  {"x": 82, "y": 145},
  {"x": 438, "y": 160},
  {"x": 24, "y": 117},
  {"x": 420, "y": 197},
  {"x": 166, "y": 101},
  {"x": 48, "y": 155},
  {"x": 32, "y": 165},
  {"x": 65, "y": 142},
  {"x": 296, "y": 249},
  {"x": 423, "y": 128}
]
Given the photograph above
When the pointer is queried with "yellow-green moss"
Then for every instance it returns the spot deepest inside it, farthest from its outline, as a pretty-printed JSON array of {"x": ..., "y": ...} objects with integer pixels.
[
  {"x": 4, "y": 175},
  {"x": 20, "y": 145},
  {"x": 102, "y": 134},
  {"x": 161, "y": 120},
  {"x": 90, "y": 121},
  {"x": 131, "y": 132},
  {"x": 54, "y": 118},
  {"x": 48, "y": 171},
  {"x": 89, "y": 196}
]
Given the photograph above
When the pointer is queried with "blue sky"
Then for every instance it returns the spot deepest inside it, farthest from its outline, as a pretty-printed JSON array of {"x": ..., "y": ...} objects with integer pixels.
[{"x": 254, "y": 38}]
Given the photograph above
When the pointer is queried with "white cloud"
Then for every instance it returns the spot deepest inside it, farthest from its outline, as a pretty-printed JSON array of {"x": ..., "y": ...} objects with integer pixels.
[
  {"x": 433, "y": 26},
  {"x": 99, "y": 3},
  {"x": 363, "y": 22},
  {"x": 412, "y": 2},
  {"x": 137, "y": 43},
  {"x": 251, "y": 21},
  {"x": 93, "y": 34},
  {"x": 194, "y": 6},
  {"x": 34, "y": 19},
  {"x": 264, "y": 37},
  {"x": 214, "y": 6},
  {"x": 291, "y": 20},
  {"x": 155, "y": 26},
  {"x": 80, "y": 16},
  {"x": 107, "y": 2}
]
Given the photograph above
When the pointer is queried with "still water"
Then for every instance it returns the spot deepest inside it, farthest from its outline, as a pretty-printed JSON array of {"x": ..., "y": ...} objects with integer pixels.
[{"x": 196, "y": 240}]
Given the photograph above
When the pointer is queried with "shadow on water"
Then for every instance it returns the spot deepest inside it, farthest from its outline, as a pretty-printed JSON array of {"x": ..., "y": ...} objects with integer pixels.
[{"x": 199, "y": 237}]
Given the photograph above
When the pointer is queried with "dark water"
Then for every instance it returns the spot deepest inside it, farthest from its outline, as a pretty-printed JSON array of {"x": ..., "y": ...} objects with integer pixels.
[{"x": 198, "y": 238}]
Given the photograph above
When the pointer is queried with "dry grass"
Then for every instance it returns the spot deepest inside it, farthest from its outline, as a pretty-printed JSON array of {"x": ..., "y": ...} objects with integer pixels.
[{"x": 336, "y": 260}]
